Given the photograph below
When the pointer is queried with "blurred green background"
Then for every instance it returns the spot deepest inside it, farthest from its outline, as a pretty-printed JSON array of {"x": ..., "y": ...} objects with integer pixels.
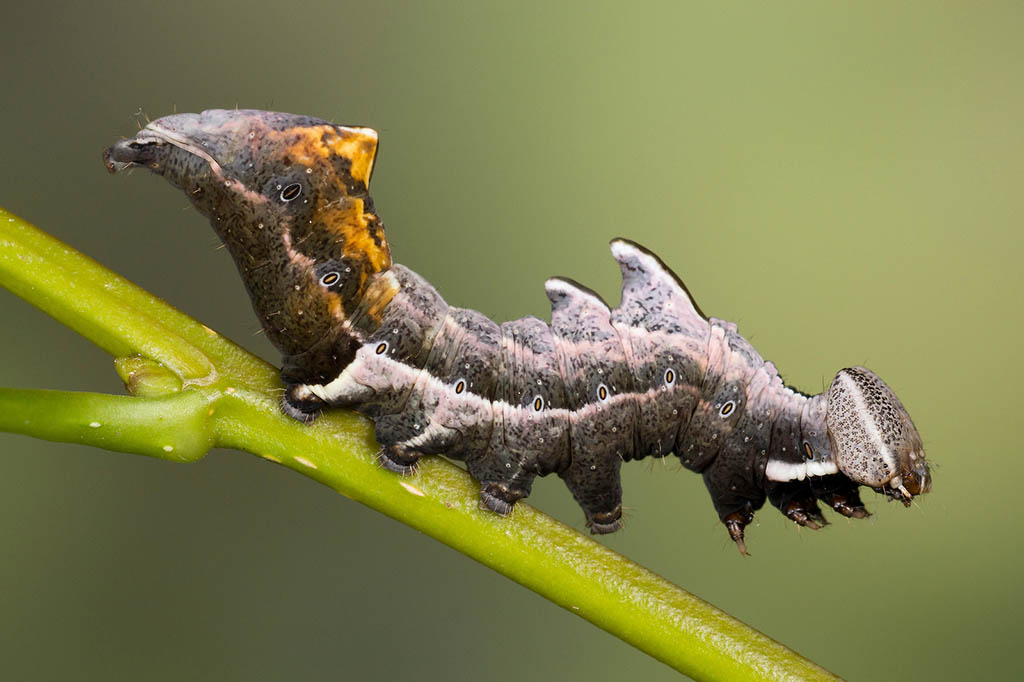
[{"x": 842, "y": 180}]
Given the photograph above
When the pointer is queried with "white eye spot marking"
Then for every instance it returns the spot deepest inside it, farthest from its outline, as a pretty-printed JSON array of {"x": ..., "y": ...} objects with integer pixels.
[
  {"x": 382, "y": 348},
  {"x": 602, "y": 393},
  {"x": 168, "y": 448},
  {"x": 538, "y": 404},
  {"x": 670, "y": 376},
  {"x": 252, "y": 136},
  {"x": 727, "y": 408},
  {"x": 291, "y": 192},
  {"x": 460, "y": 386},
  {"x": 94, "y": 425},
  {"x": 330, "y": 279},
  {"x": 309, "y": 171}
]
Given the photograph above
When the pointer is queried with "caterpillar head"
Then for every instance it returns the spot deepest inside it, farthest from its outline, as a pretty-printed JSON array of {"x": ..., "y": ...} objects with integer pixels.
[
  {"x": 289, "y": 197},
  {"x": 873, "y": 440}
]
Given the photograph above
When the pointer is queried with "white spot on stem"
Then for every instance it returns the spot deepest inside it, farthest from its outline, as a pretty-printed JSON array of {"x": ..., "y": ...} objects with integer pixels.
[{"x": 412, "y": 489}]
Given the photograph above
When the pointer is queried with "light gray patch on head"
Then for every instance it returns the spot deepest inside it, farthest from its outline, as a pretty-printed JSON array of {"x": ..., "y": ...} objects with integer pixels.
[{"x": 873, "y": 439}]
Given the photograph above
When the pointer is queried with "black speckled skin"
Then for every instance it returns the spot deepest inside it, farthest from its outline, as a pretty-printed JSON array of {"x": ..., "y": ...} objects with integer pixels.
[
  {"x": 580, "y": 396},
  {"x": 577, "y": 397}
]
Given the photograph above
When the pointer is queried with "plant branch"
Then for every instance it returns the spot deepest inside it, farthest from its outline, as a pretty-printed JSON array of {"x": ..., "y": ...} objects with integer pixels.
[{"x": 202, "y": 391}]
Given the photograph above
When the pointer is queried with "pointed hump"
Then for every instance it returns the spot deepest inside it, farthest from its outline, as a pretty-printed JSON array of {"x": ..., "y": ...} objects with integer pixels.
[
  {"x": 572, "y": 297},
  {"x": 576, "y": 311},
  {"x": 650, "y": 290}
]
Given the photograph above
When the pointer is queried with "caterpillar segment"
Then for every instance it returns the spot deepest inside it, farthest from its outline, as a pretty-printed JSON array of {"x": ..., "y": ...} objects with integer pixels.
[{"x": 575, "y": 397}]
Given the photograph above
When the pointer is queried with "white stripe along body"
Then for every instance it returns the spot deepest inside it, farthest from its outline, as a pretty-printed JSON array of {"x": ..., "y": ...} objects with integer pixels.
[{"x": 577, "y": 397}]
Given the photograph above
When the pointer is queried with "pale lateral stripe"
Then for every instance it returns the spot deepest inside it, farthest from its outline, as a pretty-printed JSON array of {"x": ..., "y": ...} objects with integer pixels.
[
  {"x": 399, "y": 373},
  {"x": 778, "y": 470},
  {"x": 821, "y": 468}
]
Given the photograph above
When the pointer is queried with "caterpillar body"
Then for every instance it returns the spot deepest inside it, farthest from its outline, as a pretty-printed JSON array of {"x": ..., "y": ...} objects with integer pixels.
[{"x": 596, "y": 387}]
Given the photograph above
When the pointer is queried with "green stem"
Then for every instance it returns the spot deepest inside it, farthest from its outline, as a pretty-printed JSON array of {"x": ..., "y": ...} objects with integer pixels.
[
  {"x": 228, "y": 398},
  {"x": 174, "y": 428}
]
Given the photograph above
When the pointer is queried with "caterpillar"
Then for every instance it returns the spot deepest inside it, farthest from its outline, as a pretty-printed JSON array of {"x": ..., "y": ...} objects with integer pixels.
[{"x": 288, "y": 195}]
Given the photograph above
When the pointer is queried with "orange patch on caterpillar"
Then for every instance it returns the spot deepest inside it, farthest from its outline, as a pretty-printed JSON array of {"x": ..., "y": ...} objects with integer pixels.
[
  {"x": 359, "y": 240},
  {"x": 336, "y": 307},
  {"x": 358, "y": 145},
  {"x": 379, "y": 294},
  {"x": 308, "y": 146}
]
